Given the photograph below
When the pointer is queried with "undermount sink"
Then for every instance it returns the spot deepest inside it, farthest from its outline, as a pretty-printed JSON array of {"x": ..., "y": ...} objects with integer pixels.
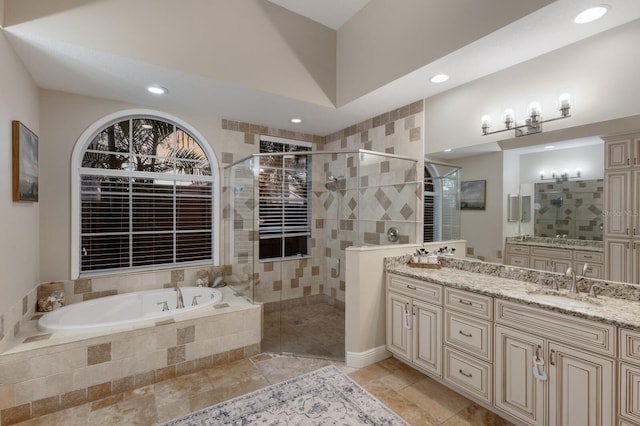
[{"x": 564, "y": 298}]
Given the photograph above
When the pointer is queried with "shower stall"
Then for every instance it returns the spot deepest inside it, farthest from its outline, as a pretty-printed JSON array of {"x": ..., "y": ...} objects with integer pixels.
[{"x": 287, "y": 219}]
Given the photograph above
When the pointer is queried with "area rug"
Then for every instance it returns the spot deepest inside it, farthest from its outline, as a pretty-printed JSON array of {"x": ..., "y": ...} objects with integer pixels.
[{"x": 323, "y": 397}]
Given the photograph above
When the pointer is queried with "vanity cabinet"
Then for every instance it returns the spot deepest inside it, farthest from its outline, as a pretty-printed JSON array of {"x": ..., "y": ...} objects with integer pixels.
[
  {"x": 555, "y": 259},
  {"x": 468, "y": 342},
  {"x": 414, "y": 322},
  {"x": 531, "y": 365},
  {"x": 576, "y": 367},
  {"x": 622, "y": 207}
]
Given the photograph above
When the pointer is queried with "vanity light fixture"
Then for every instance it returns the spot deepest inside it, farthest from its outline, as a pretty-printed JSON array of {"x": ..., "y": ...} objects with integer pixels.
[
  {"x": 440, "y": 78},
  {"x": 591, "y": 14},
  {"x": 157, "y": 90},
  {"x": 533, "y": 123},
  {"x": 560, "y": 178}
]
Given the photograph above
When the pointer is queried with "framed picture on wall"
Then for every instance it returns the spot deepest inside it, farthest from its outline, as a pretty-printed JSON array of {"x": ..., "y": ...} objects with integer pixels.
[
  {"x": 25, "y": 163},
  {"x": 473, "y": 195}
]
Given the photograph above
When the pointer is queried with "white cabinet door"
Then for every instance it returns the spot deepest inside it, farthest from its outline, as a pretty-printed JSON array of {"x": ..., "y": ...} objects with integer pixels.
[
  {"x": 427, "y": 337},
  {"x": 517, "y": 391},
  {"x": 581, "y": 388},
  {"x": 542, "y": 263},
  {"x": 399, "y": 323},
  {"x": 618, "y": 154},
  {"x": 630, "y": 392},
  {"x": 618, "y": 260},
  {"x": 617, "y": 214}
]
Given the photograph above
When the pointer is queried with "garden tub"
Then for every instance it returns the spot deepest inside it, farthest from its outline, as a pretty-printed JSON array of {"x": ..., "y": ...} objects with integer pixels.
[{"x": 127, "y": 310}]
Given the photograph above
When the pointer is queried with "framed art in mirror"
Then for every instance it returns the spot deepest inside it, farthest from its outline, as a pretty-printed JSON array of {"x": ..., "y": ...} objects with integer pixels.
[
  {"x": 25, "y": 163},
  {"x": 473, "y": 195}
]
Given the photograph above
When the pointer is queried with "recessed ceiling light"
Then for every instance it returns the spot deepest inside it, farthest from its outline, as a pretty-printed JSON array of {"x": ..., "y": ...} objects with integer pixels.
[
  {"x": 157, "y": 90},
  {"x": 591, "y": 14},
  {"x": 296, "y": 120},
  {"x": 447, "y": 150},
  {"x": 440, "y": 78},
  {"x": 549, "y": 147}
]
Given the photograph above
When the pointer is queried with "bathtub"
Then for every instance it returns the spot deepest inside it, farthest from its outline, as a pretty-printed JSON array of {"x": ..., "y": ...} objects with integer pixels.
[{"x": 126, "y": 310}]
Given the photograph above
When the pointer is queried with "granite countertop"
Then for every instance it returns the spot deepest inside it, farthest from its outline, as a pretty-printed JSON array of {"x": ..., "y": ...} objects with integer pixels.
[
  {"x": 563, "y": 243},
  {"x": 618, "y": 311},
  {"x": 558, "y": 245}
]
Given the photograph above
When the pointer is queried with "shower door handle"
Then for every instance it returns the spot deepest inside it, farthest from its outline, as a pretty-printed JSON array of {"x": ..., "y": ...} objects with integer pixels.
[{"x": 338, "y": 265}]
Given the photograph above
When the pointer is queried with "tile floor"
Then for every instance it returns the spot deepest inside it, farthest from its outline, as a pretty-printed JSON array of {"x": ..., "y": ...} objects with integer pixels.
[
  {"x": 415, "y": 397},
  {"x": 315, "y": 330}
]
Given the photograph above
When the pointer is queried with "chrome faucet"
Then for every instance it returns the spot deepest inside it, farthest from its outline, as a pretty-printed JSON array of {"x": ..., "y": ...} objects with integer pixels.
[
  {"x": 180, "y": 303},
  {"x": 571, "y": 273},
  {"x": 551, "y": 267}
]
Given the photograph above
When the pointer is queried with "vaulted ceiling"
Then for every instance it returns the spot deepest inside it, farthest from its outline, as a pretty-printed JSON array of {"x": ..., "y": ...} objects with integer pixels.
[{"x": 266, "y": 61}]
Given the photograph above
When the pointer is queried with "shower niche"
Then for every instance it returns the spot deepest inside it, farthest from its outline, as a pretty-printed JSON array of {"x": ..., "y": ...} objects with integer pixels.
[{"x": 310, "y": 206}]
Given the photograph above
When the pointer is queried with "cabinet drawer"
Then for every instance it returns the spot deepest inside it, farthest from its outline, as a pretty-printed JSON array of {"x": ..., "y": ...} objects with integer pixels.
[
  {"x": 588, "y": 256},
  {"x": 630, "y": 346},
  {"x": 594, "y": 270},
  {"x": 469, "y": 303},
  {"x": 517, "y": 249},
  {"x": 518, "y": 260},
  {"x": 422, "y": 290},
  {"x": 551, "y": 253},
  {"x": 590, "y": 335},
  {"x": 630, "y": 393},
  {"x": 468, "y": 374},
  {"x": 469, "y": 334}
]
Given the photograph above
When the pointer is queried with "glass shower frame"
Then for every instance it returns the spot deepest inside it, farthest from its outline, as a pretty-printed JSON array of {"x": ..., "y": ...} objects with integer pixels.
[{"x": 357, "y": 198}]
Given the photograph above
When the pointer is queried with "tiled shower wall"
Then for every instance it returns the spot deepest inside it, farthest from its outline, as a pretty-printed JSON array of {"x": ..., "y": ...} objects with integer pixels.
[
  {"x": 571, "y": 208},
  {"x": 381, "y": 193}
]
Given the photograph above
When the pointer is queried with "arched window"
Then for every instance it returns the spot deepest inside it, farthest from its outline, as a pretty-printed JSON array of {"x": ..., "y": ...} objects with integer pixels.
[{"x": 144, "y": 196}]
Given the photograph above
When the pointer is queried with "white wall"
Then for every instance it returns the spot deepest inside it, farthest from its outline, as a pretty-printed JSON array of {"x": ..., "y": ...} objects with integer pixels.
[
  {"x": 19, "y": 229},
  {"x": 386, "y": 39},
  {"x": 482, "y": 229},
  {"x": 600, "y": 73},
  {"x": 589, "y": 158},
  {"x": 273, "y": 50}
]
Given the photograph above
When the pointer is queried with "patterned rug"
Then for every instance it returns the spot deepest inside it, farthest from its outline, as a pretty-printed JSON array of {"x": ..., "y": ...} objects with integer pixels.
[{"x": 322, "y": 397}]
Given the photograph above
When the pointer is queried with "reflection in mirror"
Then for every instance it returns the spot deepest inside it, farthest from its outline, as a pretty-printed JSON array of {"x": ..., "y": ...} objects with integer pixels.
[
  {"x": 441, "y": 202},
  {"x": 513, "y": 207},
  {"x": 525, "y": 208},
  {"x": 569, "y": 209}
]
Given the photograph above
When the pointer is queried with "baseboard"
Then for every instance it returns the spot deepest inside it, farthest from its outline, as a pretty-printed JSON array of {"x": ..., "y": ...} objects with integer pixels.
[{"x": 363, "y": 359}]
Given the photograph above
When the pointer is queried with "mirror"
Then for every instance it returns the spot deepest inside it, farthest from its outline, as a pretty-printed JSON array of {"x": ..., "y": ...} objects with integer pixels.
[
  {"x": 519, "y": 208},
  {"x": 518, "y": 178},
  {"x": 513, "y": 208}
]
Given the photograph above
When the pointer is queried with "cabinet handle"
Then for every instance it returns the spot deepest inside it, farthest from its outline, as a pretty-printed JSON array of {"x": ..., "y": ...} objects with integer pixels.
[
  {"x": 587, "y": 257},
  {"x": 407, "y": 317},
  {"x": 552, "y": 357},
  {"x": 465, "y": 302},
  {"x": 410, "y": 287},
  {"x": 469, "y": 375},
  {"x": 465, "y": 334}
]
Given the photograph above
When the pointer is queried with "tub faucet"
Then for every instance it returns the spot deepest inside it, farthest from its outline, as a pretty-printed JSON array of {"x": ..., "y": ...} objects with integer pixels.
[
  {"x": 574, "y": 287},
  {"x": 180, "y": 303}
]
